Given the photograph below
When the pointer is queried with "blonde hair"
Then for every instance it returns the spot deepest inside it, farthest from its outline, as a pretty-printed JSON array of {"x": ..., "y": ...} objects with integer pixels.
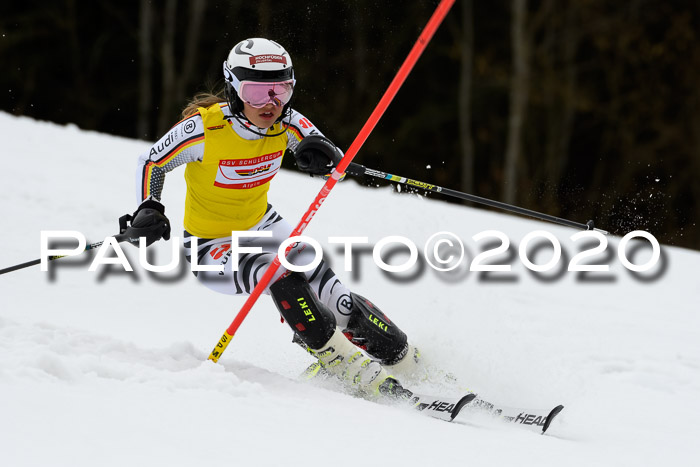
[{"x": 202, "y": 99}]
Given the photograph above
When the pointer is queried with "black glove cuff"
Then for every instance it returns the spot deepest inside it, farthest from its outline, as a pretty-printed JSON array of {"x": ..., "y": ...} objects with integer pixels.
[
  {"x": 316, "y": 154},
  {"x": 151, "y": 204}
]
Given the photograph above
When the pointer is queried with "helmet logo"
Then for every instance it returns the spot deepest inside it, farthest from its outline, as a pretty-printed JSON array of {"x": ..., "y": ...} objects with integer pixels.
[
  {"x": 267, "y": 58},
  {"x": 228, "y": 76},
  {"x": 249, "y": 45}
]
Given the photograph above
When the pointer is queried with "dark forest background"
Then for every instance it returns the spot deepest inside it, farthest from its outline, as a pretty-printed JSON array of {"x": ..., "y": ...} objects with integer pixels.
[{"x": 585, "y": 109}]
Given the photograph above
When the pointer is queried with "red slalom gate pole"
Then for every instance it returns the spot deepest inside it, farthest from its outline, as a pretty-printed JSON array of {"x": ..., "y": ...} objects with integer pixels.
[{"x": 418, "y": 48}]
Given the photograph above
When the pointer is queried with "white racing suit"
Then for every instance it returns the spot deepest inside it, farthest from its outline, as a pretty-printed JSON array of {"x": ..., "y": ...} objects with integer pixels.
[{"x": 251, "y": 266}]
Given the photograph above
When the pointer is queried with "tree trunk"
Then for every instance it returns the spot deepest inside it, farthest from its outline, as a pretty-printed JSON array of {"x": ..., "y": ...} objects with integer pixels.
[
  {"x": 571, "y": 38},
  {"x": 167, "y": 51},
  {"x": 557, "y": 54},
  {"x": 465, "y": 96},
  {"x": 264, "y": 17},
  {"x": 360, "y": 53},
  {"x": 189, "y": 62},
  {"x": 145, "y": 70},
  {"x": 518, "y": 98}
]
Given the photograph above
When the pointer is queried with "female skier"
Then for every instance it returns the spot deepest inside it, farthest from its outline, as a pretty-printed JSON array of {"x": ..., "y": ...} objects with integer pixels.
[{"x": 232, "y": 147}]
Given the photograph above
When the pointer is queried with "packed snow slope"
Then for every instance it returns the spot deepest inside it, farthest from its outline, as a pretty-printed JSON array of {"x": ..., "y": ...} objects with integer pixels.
[{"x": 110, "y": 368}]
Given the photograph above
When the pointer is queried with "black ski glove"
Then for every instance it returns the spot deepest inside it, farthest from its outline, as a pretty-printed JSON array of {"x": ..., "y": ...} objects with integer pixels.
[
  {"x": 148, "y": 221},
  {"x": 317, "y": 155}
]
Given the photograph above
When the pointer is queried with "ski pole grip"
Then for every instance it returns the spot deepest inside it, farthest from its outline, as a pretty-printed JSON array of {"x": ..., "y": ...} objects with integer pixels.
[
  {"x": 121, "y": 238},
  {"x": 356, "y": 169}
]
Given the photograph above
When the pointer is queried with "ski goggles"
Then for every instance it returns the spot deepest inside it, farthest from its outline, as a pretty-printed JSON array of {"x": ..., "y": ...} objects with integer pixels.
[{"x": 258, "y": 95}]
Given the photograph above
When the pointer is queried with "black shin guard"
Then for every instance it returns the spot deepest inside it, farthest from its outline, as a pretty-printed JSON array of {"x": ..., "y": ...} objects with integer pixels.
[
  {"x": 371, "y": 330},
  {"x": 298, "y": 305}
]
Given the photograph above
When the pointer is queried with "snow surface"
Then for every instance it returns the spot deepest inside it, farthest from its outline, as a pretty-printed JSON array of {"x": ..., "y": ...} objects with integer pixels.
[{"x": 110, "y": 368}]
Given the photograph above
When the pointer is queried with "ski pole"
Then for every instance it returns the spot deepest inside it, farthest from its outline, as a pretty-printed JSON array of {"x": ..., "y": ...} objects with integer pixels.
[
  {"x": 406, "y": 67},
  {"x": 92, "y": 246},
  {"x": 359, "y": 170}
]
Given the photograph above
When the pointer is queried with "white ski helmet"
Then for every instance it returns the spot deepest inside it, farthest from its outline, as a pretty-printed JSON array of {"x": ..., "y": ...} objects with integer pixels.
[{"x": 255, "y": 59}]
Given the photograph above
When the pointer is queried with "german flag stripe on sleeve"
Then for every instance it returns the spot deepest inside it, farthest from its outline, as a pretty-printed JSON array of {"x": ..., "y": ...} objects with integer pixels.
[
  {"x": 189, "y": 116},
  {"x": 168, "y": 156},
  {"x": 296, "y": 132},
  {"x": 148, "y": 179},
  {"x": 154, "y": 171}
]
